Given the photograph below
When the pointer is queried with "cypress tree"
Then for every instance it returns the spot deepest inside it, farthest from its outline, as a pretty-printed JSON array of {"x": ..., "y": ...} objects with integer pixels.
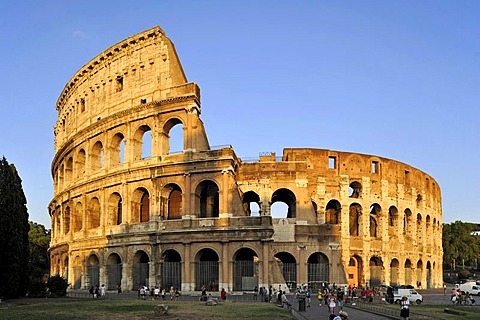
[{"x": 14, "y": 229}]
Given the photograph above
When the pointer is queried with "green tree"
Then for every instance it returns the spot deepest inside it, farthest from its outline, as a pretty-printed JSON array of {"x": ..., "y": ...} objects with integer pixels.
[
  {"x": 14, "y": 229},
  {"x": 459, "y": 245},
  {"x": 39, "y": 265}
]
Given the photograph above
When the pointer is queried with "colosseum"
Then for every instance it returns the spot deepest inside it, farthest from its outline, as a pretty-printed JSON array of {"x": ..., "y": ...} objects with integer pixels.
[{"x": 129, "y": 210}]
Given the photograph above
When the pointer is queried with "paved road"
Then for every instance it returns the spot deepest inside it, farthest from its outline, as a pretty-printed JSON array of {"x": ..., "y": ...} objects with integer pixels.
[{"x": 315, "y": 312}]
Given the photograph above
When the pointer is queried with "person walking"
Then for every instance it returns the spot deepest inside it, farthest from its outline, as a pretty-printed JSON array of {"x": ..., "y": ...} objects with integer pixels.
[{"x": 405, "y": 308}]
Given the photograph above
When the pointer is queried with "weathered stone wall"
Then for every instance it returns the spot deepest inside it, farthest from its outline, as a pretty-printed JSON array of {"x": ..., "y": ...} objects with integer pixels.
[{"x": 128, "y": 211}]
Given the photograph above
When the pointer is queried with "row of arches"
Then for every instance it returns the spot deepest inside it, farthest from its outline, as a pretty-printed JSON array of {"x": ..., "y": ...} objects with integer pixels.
[
  {"x": 92, "y": 214},
  {"x": 116, "y": 150},
  {"x": 207, "y": 271},
  {"x": 408, "y": 272}
]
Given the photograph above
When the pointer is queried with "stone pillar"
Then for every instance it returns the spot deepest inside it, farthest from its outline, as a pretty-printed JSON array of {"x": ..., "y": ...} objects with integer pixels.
[
  {"x": 188, "y": 197},
  {"x": 264, "y": 280},
  {"x": 225, "y": 270},
  {"x": 187, "y": 274}
]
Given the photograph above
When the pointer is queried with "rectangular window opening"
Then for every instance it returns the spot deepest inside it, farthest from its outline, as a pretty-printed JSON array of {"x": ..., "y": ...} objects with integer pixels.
[
  {"x": 119, "y": 84},
  {"x": 332, "y": 162},
  {"x": 82, "y": 105},
  {"x": 375, "y": 167}
]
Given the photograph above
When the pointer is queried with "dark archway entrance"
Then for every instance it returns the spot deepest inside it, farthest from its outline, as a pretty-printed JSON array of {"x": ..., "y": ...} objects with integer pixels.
[
  {"x": 288, "y": 266},
  {"x": 171, "y": 270},
  {"x": 206, "y": 270},
  {"x": 317, "y": 265},
  {"x": 114, "y": 271},
  {"x": 245, "y": 273},
  {"x": 140, "y": 270}
]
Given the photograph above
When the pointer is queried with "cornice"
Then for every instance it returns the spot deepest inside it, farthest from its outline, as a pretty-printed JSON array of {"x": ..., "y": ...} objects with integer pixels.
[{"x": 103, "y": 58}]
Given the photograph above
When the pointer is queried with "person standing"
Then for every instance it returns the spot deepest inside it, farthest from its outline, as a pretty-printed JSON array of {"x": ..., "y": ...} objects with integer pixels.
[
  {"x": 102, "y": 291},
  {"x": 405, "y": 308},
  {"x": 223, "y": 294}
]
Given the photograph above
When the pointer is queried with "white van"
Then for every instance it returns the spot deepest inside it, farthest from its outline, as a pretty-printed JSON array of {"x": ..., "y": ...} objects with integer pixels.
[
  {"x": 411, "y": 294},
  {"x": 470, "y": 287}
]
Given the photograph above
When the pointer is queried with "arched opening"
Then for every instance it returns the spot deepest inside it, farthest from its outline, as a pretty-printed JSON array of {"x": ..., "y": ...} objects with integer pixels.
[
  {"x": 394, "y": 269},
  {"x": 429, "y": 275},
  {"x": 333, "y": 212},
  {"x": 392, "y": 221},
  {"x": 114, "y": 271},
  {"x": 317, "y": 269},
  {"x": 355, "y": 189},
  {"x": 245, "y": 270},
  {"x": 61, "y": 180},
  {"x": 376, "y": 266},
  {"x": 94, "y": 214},
  {"x": 375, "y": 214},
  {"x": 117, "y": 149},
  {"x": 97, "y": 156},
  {"x": 142, "y": 143},
  {"x": 355, "y": 219},
  {"x": 207, "y": 198},
  {"x": 93, "y": 271},
  {"x": 408, "y": 272},
  {"x": 69, "y": 171},
  {"x": 419, "y": 273},
  {"x": 171, "y": 269},
  {"x": 66, "y": 220},
  {"x": 419, "y": 230},
  {"x": 78, "y": 217},
  {"x": 140, "y": 270},
  {"x": 65, "y": 268},
  {"x": 173, "y": 136},
  {"x": 407, "y": 224},
  {"x": 251, "y": 203},
  {"x": 77, "y": 273},
  {"x": 115, "y": 209},
  {"x": 288, "y": 266},
  {"x": 80, "y": 164},
  {"x": 174, "y": 210},
  {"x": 206, "y": 270},
  {"x": 354, "y": 271},
  {"x": 141, "y": 205},
  {"x": 286, "y": 197}
]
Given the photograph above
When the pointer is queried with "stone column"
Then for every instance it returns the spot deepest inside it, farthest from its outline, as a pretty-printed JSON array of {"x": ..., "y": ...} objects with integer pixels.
[
  {"x": 187, "y": 196},
  {"x": 224, "y": 276},
  {"x": 187, "y": 274}
]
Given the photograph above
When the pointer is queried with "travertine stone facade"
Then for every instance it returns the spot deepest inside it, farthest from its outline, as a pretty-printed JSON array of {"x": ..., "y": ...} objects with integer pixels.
[{"x": 129, "y": 211}]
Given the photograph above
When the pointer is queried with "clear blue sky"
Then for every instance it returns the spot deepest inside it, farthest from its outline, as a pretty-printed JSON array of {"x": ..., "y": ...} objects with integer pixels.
[{"x": 397, "y": 79}]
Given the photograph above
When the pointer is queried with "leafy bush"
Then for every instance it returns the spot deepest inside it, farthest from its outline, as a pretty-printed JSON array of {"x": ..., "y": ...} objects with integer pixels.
[{"x": 57, "y": 286}]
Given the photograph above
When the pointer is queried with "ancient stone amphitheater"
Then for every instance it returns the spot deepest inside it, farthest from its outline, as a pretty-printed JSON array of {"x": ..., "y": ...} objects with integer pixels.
[{"x": 128, "y": 211}]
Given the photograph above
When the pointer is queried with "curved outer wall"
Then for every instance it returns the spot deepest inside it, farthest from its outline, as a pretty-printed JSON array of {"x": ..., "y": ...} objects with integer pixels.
[{"x": 128, "y": 210}]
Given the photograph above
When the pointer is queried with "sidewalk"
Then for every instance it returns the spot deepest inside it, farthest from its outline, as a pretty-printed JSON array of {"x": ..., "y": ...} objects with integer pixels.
[{"x": 315, "y": 312}]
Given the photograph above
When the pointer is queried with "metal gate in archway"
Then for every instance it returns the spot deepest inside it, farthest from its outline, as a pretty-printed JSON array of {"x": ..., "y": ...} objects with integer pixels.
[
  {"x": 77, "y": 276},
  {"x": 94, "y": 275},
  {"x": 140, "y": 275},
  {"x": 206, "y": 275},
  {"x": 289, "y": 271},
  {"x": 114, "y": 272},
  {"x": 317, "y": 274},
  {"x": 171, "y": 274},
  {"x": 244, "y": 275}
]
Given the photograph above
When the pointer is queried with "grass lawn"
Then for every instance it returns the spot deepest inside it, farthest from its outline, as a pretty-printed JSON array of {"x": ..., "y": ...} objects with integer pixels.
[{"x": 72, "y": 309}]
